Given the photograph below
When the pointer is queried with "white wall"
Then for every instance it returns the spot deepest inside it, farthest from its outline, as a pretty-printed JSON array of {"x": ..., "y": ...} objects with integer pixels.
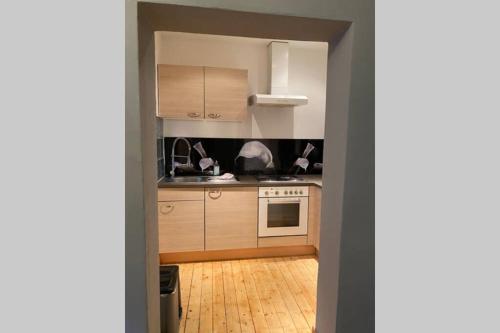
[{"x": 307, "y": 76}]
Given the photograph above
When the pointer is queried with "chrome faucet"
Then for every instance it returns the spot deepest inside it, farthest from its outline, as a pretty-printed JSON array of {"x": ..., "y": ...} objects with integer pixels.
[{"x": 187, "y": 157}]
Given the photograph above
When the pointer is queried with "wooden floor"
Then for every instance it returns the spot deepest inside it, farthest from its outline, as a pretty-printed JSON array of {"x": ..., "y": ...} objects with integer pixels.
[{"x": 253, "y": 295}]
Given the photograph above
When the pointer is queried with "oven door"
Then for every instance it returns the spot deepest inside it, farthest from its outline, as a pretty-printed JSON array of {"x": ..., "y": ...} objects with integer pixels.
[{"x": 283, "y": 216}]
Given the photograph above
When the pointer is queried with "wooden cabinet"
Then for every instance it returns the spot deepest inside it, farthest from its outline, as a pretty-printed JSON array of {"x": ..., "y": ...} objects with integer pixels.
[
  {"x": 226, "y": 92},
  {"x": 314, "y": 216},
  {"x": 180, "y": 92},
  {"x": 231, "y": 218},
  {"x": 181, "y": 194},
  {"x": 181, "y": 223},
  {"x": 199, "y": 219},
  {"x": 196, "y": 92}
]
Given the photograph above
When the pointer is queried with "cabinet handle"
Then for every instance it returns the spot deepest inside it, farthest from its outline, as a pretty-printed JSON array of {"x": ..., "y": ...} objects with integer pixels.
[
  {"x": 214, "y": 115},
  {"x": 166, "y": 209},
  {"x": 215, "y": 194},
  {"x": 194, "y": 114}
]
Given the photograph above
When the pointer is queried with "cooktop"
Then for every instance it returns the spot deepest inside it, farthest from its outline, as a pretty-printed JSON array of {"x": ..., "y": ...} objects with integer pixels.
[{"x": 277, "y": 178}]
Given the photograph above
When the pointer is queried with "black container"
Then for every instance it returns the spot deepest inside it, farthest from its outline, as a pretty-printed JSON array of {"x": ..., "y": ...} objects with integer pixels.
[{"x": 170, "y": 299}]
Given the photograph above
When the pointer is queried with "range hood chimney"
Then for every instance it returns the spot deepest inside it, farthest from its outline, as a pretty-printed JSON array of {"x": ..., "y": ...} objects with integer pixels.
[{"x": 278, "y": 76}]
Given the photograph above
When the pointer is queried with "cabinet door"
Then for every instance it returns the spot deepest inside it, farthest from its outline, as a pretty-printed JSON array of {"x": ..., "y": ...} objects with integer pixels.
[
  {"x": 181, "y": 226},
  {"x": 314, "y": 216},
  {"x": 226, "y": 92},
  {"x": 180, "y": 92},
  {"x": 231, "y": 218}
]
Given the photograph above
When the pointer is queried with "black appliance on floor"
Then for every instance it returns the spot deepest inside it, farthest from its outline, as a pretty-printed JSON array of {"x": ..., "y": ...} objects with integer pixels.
[{"x": 170, "y": 299}]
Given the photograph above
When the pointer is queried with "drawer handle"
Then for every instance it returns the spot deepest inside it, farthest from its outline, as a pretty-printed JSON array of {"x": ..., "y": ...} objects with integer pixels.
[
  {"x": 214, "y": 115},
  {"x": 166, "y": 209},
  {"x": 215, "y": 194},
  {"x": 194, "y": 114}
]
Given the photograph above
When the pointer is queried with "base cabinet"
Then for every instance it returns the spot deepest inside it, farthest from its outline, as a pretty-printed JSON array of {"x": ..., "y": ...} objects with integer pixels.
[
  {"x": 314, "y": 216},
  {"x": 181, "y": 226},
  {"x": 231, "y": 218},
  {"x": 211, "y": 219}
]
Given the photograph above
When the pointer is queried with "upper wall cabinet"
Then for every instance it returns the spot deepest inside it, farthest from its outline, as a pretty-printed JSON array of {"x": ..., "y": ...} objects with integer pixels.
[
  {"x": 226, "y": 93},
  {"x": 180, "y": 92},
  {"x": 194, "y": 92}
]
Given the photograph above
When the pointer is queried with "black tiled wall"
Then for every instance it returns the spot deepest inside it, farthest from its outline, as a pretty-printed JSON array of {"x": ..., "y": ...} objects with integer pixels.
[
  {"x": 161, "y": 158},
  {"x": 284, "y": 151},
  {"x": 159, "y": 149}
]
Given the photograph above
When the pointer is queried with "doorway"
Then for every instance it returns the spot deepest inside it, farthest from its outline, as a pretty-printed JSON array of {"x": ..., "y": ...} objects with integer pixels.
[{"x": 155, "y": 17}]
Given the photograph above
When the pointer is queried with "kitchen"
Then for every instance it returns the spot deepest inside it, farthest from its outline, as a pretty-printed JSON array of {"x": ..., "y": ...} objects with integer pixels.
[{"x": 240, "y": 129}]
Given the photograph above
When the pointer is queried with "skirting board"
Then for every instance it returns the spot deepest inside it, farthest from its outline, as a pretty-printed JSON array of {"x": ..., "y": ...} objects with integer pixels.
[{"x": 263, "y": 252}]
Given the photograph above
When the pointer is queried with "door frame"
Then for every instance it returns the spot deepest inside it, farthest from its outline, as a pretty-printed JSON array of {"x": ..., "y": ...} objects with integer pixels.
[{"x": 142, "y": 19}]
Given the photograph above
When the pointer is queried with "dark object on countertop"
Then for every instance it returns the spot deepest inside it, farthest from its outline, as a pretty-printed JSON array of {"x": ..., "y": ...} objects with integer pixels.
[
  {"x": 170, "y": 299},
  {"x": 318, "y": 167}
]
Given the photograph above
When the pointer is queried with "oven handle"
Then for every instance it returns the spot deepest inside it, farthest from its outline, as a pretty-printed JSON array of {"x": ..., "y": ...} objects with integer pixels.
[{"x": 283, "y": 200}]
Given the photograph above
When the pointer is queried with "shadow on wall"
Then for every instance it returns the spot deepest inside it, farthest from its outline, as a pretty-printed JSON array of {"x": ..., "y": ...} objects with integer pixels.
[
  {"x": 272, "y": 122},
  {"x": 261, "y": 122}
]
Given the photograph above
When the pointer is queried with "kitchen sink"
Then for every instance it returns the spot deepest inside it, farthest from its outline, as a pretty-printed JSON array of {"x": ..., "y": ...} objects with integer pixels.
[
  {"x": 186, "y": 179},
  {"x": 199, "y": 179}
]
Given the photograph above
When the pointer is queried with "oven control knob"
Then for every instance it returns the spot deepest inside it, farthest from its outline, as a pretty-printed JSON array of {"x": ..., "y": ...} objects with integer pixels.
[
  {"x": 301, "y": 192},
  {"x": 296, "y": 192},
  {"x": 286, "y": 192},
  {"x": 277, "y": 192},
  {"x": 267, "y": 193}
]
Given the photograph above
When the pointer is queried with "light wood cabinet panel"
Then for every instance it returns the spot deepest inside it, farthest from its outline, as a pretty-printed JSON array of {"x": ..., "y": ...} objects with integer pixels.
[
  {"x": 180, "y": 194},
  {"x": 180, "y": 92},
  {"x": 226, "y": 93},
  {"x": 231, "y": 218},
  {"x": 181, "y": 226},
  {"x": 282, "y": 241},
  {"x": 314, "y": 216}
]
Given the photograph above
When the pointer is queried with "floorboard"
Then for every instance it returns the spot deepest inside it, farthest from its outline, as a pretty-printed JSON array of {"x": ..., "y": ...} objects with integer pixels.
[
  {"x": 254, "y": 295},
  {"x": 206, "y": 314}
]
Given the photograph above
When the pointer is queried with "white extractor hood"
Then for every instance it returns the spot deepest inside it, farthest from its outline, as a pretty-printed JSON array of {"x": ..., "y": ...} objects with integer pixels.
[{"x": 278, "y": 71}]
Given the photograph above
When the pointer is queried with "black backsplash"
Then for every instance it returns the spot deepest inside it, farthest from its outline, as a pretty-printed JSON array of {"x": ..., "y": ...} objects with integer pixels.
[
  {"x": 159, "y": 149},
  {"x": 284, "y": 152},
  {"x": 160, "y": 158}
]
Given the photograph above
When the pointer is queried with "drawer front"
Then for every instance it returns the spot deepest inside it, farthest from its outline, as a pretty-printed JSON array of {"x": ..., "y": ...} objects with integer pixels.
[
  {"x": 181, "y": 226},
  {"x": 181, "y": 194},
  {"x": 282, "y": 241}
]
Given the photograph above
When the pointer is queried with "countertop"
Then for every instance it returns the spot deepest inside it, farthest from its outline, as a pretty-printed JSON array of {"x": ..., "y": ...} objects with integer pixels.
[{"x": 308, "y": 180}]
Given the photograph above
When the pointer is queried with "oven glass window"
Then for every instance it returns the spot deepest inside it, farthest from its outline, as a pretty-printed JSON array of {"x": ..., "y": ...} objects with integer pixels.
[{"x": 283, "y": 215}]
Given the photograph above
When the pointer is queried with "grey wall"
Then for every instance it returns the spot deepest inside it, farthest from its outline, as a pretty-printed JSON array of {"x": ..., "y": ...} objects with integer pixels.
[
  {"x": 141, "y": 231},
  {"x": 356, "y": 298},
  {"x": 135, "y": 234},
  {"x": 355, "y": 312},
  {"x": 338, "y": 92},
  {"x": 147, "y": 99}
]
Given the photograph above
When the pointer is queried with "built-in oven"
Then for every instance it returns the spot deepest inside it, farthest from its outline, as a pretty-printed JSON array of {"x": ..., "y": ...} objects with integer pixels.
[{"x": 283, "y": 211}]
